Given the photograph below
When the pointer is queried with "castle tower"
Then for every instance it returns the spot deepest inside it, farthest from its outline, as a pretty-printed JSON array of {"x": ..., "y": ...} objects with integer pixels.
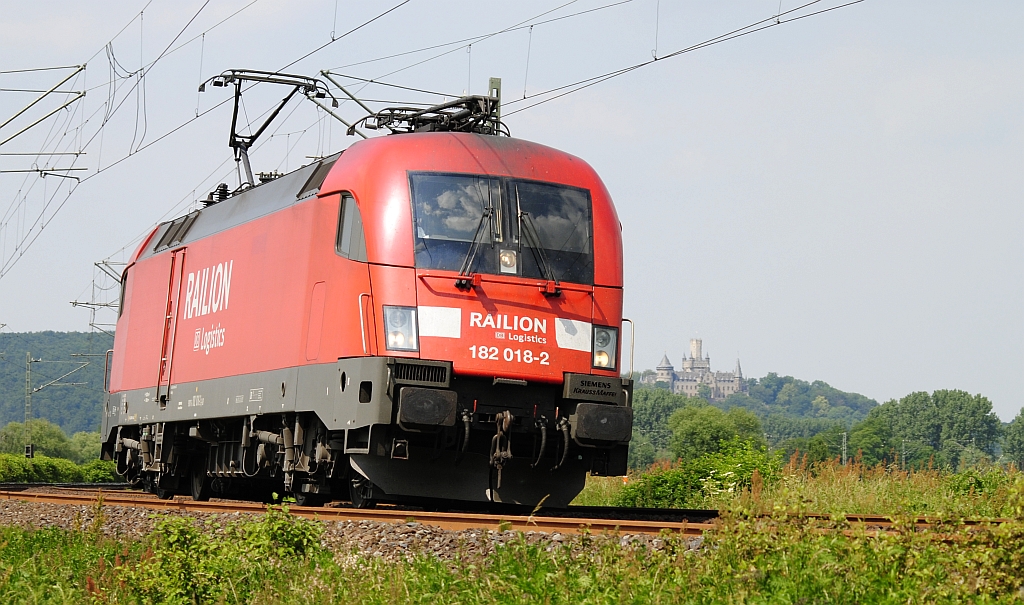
[
  {"x": 695, "y": 344},
  {"x": 739, "y": 372},
  {"x": 666, "y": 371}
]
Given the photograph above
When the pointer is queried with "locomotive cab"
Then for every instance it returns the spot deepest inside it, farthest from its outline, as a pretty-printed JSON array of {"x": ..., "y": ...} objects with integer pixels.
[{"x": 427, "y": 316}]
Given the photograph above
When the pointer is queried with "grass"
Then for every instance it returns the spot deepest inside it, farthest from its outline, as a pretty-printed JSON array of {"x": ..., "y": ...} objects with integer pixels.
[
  {"x": 747, "y": 560},
  {"x": 759, "y": 553},
  {"x": 832, "y": 488},
  {"x": 600, "y": 491}
]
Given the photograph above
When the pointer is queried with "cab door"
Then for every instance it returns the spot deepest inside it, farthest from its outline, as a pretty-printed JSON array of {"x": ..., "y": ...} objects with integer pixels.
[
  {"x": 166, "y": 360},
  {"x": 347, "y": 327}
]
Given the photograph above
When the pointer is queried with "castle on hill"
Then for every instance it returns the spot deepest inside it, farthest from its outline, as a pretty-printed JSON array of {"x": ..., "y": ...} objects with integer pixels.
[{"x": 696, "y": 371}]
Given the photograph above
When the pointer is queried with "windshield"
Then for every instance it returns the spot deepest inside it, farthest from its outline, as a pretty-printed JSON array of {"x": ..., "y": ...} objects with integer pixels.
[
  {"x": 545, "y": 229},
  {"x": 450, "y": 207},
  {"x": 560, "y": 216}
]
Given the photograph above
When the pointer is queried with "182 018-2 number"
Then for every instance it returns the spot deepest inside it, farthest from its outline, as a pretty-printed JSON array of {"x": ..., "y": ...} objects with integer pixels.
[{"x": 510, "y": 355}]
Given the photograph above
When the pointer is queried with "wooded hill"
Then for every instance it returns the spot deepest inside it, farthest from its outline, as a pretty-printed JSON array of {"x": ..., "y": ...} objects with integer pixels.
[
  {"x": 947, "y": 428},
  {"x": 73, "y": 408}
]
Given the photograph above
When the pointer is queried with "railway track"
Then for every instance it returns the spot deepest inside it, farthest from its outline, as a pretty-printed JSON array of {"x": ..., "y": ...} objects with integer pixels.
[
  {"x": 446, "y": 520},
  {"x": 571, "y": 520}
]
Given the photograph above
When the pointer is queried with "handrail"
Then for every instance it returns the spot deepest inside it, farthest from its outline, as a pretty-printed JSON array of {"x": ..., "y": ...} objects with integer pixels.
[
  {"x": 632, "y": 333},
  {"x": 107, "y": 361},
  {"x": 362, "y": 325}
]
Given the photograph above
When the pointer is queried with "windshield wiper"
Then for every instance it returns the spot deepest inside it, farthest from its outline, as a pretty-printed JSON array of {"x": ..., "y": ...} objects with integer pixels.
[
  {"x": 530, "y": 234},
  {"x": 467, "y": 263}
]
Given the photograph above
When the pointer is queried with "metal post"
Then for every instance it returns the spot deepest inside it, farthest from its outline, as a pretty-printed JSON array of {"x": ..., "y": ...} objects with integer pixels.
[
  {"x": 28, "y": 387},
  {"x": 844, "y": 448},
  {"x": 28, "y": 404},
  {"x": 494, "y": 90}
]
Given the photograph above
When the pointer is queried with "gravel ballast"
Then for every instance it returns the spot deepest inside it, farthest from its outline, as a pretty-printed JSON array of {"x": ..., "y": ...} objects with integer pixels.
[{"x": 390, "y": 541}]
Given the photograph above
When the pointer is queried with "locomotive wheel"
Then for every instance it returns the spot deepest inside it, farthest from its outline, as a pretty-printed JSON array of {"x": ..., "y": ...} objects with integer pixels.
[
  {"x": 200, "y": 483},
  {"x": 307, "y": 499},
  {"x": 360, "y": 492},
  {"x": 164, "y": 494}
]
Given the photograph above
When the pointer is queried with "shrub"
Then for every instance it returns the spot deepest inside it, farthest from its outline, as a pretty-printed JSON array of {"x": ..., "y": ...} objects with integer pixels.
[
  {"x": 977, "y": 481},
  {"x": 55, "y": 470},
  {"x": 15, "y": 469},
  {"x": 689, "y": 483},
  {"x": 43, "y": 469},
  {"x": 100, "y": 471},
  {"x": 190, "y": 563},
  {"x": 699, "y": 430}
]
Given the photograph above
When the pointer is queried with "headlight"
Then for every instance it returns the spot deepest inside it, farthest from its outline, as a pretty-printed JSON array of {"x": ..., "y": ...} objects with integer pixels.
[
  {"x": 400, "y": 326},
  {"x": 606, "y": 342},
  {"x": 508, "y": 262}
]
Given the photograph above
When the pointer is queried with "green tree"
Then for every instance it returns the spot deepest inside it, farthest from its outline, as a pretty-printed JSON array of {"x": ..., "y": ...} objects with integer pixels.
[
  {"x": 822, "y": 446},
  {"x": 47, "y": 438},
  {"x": 85, "y": 446},
  {"x": 704, "y": 392},
  {"x": 1013, "y": 441},
  {"x": 818, "y": 449},
  {"x": 642, "y": 453},
  {"x": 742, "y": 400},
  {"x": 949, "y": 426},
  {"x": 872, "y": 440},
  {"x": 651, "y": 410},
  {"x": 798, "y": 398},
  {"x": 781, "y": 428},
  {"x": 969, "y": 427},
  {"x": 700, "y": 430}
]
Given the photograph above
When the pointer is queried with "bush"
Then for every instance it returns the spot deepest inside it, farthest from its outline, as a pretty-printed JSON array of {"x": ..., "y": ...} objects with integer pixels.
[
  {"x": 54, "y": 470},
  {"x": 190, "y": 563},
  {"x": 43, "y": 469},
  {"x": 100, "y": 471},
  {"x": 688, "y": 484},
  {"x": 15, "y": 469},
  {"x": 700, "y": 430}
]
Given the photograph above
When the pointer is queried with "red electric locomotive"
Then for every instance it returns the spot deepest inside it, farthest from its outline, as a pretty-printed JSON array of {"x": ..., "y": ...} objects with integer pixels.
[{"x": 434, "y": 314}]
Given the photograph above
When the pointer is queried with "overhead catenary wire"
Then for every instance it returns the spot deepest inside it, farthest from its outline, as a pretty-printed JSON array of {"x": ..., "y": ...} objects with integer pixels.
[
  {"x": 33, "y": 69},
  {"x": 351, "y": 31},
  {"x": 543, "y": 96},
  {"x": 110, "y": 109},
  {"x": 203, "y": 113},
  {"x": 19, "y": 249},
  {"x": 486, "y": 37},
  {"x": 474, "y": 39},
  {"x": 179, "y": 205},
  {"x": 391, "y": 85},
  {"x": 755, "y": 27}
]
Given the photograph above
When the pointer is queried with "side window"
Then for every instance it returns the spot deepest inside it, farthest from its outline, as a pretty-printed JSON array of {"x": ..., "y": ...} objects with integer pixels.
[
  {"x": 350, "y": 242},
  {"x": 120, "y": 301}
]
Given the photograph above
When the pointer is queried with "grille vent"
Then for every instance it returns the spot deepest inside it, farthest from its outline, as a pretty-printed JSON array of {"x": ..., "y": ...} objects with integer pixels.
[{"x": 408, "y": 372}]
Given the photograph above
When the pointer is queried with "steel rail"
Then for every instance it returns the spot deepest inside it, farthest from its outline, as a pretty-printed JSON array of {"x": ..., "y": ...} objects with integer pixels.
[
  {"x": 443, "y": 520},
  {"x": 93, "y": 486},
  {"x": 547, "y": 521}
]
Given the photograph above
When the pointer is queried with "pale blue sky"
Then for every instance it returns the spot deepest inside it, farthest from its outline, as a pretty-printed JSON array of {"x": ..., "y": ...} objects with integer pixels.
[{"x": 837, "y": 198}]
